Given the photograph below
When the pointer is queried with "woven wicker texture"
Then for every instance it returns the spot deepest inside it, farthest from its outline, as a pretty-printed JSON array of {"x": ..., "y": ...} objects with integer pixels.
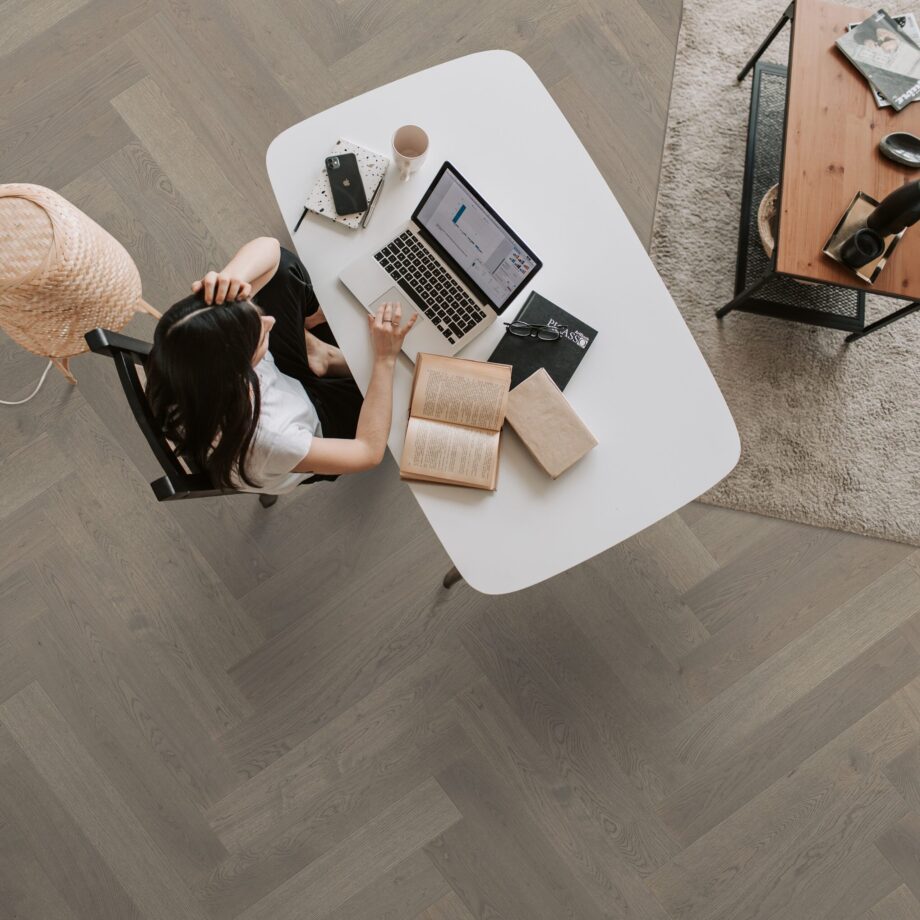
[{"x": 61, "y": 274}]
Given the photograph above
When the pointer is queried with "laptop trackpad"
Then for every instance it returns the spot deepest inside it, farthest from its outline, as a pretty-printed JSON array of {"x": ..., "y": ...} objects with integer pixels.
[{"x": 393, "y": 295}]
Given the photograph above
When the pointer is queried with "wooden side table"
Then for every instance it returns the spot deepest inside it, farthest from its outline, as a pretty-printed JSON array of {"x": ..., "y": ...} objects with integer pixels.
[{"x": 814, "y": 129}]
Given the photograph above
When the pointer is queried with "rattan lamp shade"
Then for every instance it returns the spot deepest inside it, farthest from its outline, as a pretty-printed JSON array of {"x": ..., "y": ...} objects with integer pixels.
[{"x": 61, "y": 274}]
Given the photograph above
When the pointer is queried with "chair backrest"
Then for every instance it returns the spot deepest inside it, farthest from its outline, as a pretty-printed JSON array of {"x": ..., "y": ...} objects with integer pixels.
[{"x": 181, "y": 479}]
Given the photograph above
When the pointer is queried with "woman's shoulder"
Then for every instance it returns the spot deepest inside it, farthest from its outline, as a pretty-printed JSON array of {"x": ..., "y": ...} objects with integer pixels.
[
  {"x": 267, "y": 361},
  {"x": 267, "y": 371}
]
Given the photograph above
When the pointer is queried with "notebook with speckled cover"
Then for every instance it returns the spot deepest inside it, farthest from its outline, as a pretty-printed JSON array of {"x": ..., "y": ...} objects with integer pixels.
[{"x": 372, "y": 167}]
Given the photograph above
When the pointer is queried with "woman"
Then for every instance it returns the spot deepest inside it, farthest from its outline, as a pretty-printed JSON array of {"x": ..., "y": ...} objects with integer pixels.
[{"x": 246, "y": 379}]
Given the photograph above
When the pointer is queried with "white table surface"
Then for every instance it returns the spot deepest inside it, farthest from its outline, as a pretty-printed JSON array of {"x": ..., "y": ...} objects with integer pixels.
[{"x": 665, "y": 434}]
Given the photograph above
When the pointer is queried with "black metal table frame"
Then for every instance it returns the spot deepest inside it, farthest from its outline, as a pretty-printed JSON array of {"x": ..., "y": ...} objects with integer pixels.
[{"x": 743, "y": 295}]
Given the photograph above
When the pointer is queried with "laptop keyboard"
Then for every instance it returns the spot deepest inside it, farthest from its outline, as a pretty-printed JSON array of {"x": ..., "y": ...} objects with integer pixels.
[{"x": 436, "y": 293}]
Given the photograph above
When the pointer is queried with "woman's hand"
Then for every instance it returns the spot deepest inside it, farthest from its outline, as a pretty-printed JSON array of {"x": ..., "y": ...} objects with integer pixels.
[
  {"x": 222, "y": 287},
  {"x": 386, "y": 333}
]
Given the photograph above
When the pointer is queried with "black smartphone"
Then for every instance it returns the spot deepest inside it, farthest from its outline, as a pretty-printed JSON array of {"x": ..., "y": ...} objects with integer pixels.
[{"x": 348, "y": 194}]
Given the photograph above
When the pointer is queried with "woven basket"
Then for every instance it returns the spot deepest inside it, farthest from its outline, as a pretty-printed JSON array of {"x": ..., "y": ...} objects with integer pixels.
[
  {"x": 61, "y": 274},
  {"x": 766, "y": 227},
  {"x": 766, "y": 220}
]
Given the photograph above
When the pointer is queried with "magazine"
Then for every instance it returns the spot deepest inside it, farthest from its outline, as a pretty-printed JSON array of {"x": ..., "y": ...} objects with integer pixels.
[
  {"x": 907, "y": 22},
  {"x": 886, "y": 56}
]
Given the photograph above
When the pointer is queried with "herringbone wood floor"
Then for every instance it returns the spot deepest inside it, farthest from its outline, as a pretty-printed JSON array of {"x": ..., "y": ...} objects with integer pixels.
[{"x": 211, "y": 710}]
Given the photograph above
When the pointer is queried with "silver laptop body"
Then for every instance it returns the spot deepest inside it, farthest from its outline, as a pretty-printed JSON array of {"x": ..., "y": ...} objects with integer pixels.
[{"x": 455, "y": 262}]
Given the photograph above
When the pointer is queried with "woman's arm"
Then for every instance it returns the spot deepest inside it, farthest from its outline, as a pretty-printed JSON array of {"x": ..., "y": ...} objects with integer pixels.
[
  {"x": 331, "y": 456},
  {"x": 244, "y": 275}
]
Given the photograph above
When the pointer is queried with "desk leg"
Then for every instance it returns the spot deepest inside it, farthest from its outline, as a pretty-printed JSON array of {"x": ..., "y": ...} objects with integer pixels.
[
  {"x": 786, "y": 17},
  {"x": 744, "y": 295},
  {"x": 452, "y": 577},
  {"x": 885, "y": 321}
]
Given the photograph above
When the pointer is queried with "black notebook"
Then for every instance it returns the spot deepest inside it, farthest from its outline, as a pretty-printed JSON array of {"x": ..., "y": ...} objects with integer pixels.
[{"x": 560, "y": 358}]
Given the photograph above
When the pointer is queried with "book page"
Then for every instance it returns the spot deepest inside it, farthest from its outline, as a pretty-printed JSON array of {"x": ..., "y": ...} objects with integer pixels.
[
  {"x": 472, "y": 393},
  {"x": 435, "y": 450}
]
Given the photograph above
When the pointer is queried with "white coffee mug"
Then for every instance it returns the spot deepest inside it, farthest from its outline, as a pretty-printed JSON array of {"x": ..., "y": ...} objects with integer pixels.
[{"x": 410, "y": 146}]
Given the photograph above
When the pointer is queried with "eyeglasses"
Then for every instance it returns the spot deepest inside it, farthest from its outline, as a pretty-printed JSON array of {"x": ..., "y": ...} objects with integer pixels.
[{"x": 536, "y": 331}]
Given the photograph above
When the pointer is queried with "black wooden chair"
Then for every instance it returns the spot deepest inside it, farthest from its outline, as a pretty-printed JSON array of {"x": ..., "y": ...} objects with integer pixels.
[{"x": 181, "y": 479}]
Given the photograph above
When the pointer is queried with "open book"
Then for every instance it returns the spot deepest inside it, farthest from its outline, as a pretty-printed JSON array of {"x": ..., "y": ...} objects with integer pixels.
[{"x": 455, "y": 419}]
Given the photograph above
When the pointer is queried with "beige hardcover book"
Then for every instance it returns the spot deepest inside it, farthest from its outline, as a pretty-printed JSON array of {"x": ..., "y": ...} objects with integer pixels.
[
  {"x": 547, "y": 424},
  {"x": 456, "y": 414}
]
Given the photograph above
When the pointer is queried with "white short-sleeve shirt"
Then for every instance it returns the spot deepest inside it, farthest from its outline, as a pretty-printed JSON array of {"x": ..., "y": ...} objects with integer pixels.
[{"x": 287, "y": 425}]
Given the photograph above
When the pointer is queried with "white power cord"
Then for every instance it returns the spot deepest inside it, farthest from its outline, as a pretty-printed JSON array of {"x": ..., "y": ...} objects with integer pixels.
[{"x": 19, "y": 402}]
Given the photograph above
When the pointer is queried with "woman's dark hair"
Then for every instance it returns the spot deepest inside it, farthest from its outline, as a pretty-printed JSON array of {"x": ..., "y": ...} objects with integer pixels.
[{"x": 201, "y": 386}]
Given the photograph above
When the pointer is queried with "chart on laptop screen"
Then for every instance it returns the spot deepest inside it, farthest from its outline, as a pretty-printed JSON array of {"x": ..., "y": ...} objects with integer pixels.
[{"x": 494, "y": 260}]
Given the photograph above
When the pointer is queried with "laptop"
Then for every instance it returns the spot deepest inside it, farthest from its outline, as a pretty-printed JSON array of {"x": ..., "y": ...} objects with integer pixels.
[{"x": 456, "y": 262}]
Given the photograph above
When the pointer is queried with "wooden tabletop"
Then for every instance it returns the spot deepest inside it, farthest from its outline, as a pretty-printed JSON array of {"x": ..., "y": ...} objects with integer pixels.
[{"x": 832, "y": 153}]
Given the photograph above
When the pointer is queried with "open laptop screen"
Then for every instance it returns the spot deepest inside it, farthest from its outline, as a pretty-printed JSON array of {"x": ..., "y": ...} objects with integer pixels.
[{"x": 474, "y": 240}]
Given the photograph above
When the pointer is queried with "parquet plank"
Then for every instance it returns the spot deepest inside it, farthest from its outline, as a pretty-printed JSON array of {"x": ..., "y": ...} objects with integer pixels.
[
  {"x": 450, "y": 907},
  {"x": 793, "y": 844},
  {"x": 25, "y": 19},
  {"x": 21, "y": 600},
  {"x": 105, "y": 817},
  {"x": 904, "y": 774},
  {"x": 799, "y": 667},
  {"x": 758, "y": 573},
  {"x": 900, "y": 904},
  {"x": 171, "y": 636},
  {"x": 583, "y": 839},
  {"x": 276, "y": 32},
  {"x": 411, "y": 695},
  {"x": 714, "y": 793},
  {"x": 189, "y": 163},
  {"x": 622, "y": 620},
  {"x": 28, "y": 72},
  {"x": 34, "y": 468},
  {"x": 774, "y": 617},
  {"x": 542, "y": 706},
  {"x": 900, "y": 845},
  {"x": 235, "y": 127},
  {"x": 72, "y": 865},
  {"x": 492, "y": 813},
  {"x": 82, "y": 652},
  {"x": 308, "y": 821},
  {"x": 24, "y": 886},
  {"x": 378, "y": 846},
  {"x": 412, "y": 886}
]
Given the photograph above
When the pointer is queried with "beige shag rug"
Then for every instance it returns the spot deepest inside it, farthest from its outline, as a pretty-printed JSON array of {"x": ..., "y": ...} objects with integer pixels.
[{"x": 829, "y": 432}]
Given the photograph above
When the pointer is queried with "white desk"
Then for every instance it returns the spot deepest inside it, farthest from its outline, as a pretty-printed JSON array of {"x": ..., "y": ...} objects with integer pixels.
[{"x": 665, "y": 432}]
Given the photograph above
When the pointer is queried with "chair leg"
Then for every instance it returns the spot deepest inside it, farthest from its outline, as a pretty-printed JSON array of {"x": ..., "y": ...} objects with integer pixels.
[
  {"x": 266, "y": 501},
  {"x": 452, "y": 577},
  {"x": 63, "y": 365},
  {"x": 144, "y": 307}
]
